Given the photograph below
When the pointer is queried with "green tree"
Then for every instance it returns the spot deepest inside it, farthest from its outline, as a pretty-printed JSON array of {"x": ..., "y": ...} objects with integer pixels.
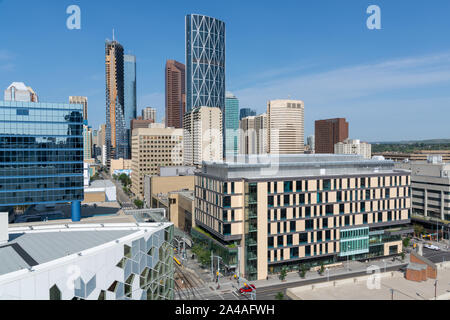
[
  {"x": 303, "y": 269},
  {"x": 279, "y": 296},
  {"x": 418, "y": 230},
  {"x": 283, "y": 273},
  {"x": 406, "y": 242},
  {"x": 402, "y": 255},
  {"x": 322, "y": 268},
  {"x": 139, "y": 203}
]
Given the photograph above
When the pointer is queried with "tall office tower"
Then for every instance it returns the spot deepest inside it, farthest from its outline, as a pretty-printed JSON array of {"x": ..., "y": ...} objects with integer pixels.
[
  {"x": 102, "y": 135},
  {"x": 18, "y": 91},
  {"x": 129, "y": 66},
  {"x": 83, "y": 101},
  {"x": 149, "y": 114},
  {"x": 151, "y": 148},
  {"x": 87, "y": 142},
  {"x": 231, "y": 136},
  {"x": 205, "y": 62},
  {"x": 329, "y": 132},
  {"x": 202, "y": 136},
  {"x": 41, "y": 157},
  {"x": 246, "y": 112},
  {"x": 303, "y": 209},
  {"x": 116, "y": 128},
  {"x": 310, "y": 142},
  {"x": 175, "y": 93},
  {"x": 285, "y": 123},
  {"x": 253, "y": 135}
]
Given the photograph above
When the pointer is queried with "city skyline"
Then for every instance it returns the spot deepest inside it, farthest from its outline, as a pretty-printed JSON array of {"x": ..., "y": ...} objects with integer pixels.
[{"x": 371, "y": 74}]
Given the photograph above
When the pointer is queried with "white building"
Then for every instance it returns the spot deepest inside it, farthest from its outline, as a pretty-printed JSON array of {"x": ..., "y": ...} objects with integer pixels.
[
  {"x": 350, "y": 146},
  {"x": 253, "y": 135},
  {"x": 87, "y": 262},
  {"x": 18, "y": 91},
  {"x": 202, "y": 136},
  {"x": 149, "y": 114}
]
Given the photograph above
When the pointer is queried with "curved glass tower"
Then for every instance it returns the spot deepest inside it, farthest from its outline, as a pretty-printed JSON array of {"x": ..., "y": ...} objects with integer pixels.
[{"x": 205, "y": 62}]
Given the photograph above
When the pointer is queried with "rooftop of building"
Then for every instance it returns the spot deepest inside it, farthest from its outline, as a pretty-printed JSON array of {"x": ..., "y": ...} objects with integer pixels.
[
  {"x": 47, "y": 105},
  {"x": 29, "y": 247},
  {"x": 297, "y": 165},
  {"x": 102, "y": 184}
]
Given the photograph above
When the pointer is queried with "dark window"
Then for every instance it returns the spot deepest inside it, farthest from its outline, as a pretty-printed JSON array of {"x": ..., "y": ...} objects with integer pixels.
[
  {"x": 270, "y": 242},
  {"x": 325, "y": 223},
  {"x": 288, "y": 186},
  {"x": 227, "y": 229},
  {"x": 283, "y": 214},
  {"x": 286, "y": 200},
  {"x": 270, "y": 201},
  {"x": 303, "y": 238},
  {"x": 307, "y": 211},
  {"x": 298, "y": 186},
  {"x": 302, "y": 198},
  {"x": 227, "y": 201},
  {"x": 292, "y": 226},
  {"x": 309, "y": 224}
]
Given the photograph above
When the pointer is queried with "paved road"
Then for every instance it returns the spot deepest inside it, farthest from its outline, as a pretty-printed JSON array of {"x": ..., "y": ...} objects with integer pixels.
[
  {"x": 436, "y": 256},
  {"x": 122, "y": 198}
]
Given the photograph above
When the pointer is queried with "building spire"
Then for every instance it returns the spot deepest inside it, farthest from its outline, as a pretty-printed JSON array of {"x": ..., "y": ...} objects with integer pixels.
[{"x": 113, "y": 35}]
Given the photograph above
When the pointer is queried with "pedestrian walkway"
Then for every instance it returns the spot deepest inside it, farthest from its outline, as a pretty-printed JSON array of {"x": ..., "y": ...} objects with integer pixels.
[{"x": 350, "y": 269}]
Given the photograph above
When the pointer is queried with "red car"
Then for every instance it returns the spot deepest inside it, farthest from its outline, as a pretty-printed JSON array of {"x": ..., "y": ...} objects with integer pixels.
[{"x": 247, "y": 289}]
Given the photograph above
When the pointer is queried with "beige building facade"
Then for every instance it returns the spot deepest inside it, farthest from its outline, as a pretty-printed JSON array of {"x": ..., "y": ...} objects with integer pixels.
[
  {"x": 153, "y": 148},
  {"x": 309, "y": 210},
  {"x": 354, "y": 146},
  {"x": 285, "y": 123}
]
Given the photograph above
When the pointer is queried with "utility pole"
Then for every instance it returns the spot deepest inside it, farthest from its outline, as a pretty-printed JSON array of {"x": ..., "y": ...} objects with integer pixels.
[
  {"x": 392, "y": 294},
  {"x": 212, "y": 267}
]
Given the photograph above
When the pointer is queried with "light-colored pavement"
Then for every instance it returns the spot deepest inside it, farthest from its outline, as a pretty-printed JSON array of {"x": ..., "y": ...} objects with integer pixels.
[{"x": 366, "y": 289}]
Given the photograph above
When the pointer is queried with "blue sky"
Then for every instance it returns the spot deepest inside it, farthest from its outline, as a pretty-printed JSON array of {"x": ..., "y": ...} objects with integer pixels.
[{"x": 390, "y": 84}]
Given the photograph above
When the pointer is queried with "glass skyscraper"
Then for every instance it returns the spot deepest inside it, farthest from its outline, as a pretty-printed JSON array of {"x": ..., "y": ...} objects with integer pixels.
[
  {"x": 246, "y": 112},
  {"x": 117, "y": 142},
  {"x": 129, "y": 75},
  {"x": 231, "y": 138},
  {"x": 41, "y": 154},
  {"x": 205, "y": 62}
]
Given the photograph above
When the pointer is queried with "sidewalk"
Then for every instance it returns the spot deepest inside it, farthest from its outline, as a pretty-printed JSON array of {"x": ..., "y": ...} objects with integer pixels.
[{"x": 354, "y": 267}]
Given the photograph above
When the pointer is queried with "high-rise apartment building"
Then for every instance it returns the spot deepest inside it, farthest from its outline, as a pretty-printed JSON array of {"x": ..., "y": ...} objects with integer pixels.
[
  {"x": 287, "y": 210},
  {"x": 152, "y": 148},
  {"x": 41, "y": 154},
  {"x": 175, "y": 93},
  {"x": 205, "y": 62},
  {"x": 246, "y": 112},
  {"x": 328, "y": 133},
  {"x": 253, "y": 135},
  {"x": 149, "y": 114},
  {"x": 18, "y": 91},
  {"x": 83, "y": 101},
  {"x": 202, "y": 134},
  {"x": 87, "y": 142},
  {"x": 116, "y": 127},
  {"x": 231, "y": 126},
  {"x": 130, "y": 106},
  {"x": 354, "y": 146},
  {"x": 285, "y": 123}
]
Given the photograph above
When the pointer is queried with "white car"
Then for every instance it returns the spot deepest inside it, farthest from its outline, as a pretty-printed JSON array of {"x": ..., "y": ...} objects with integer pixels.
[{"x": 432, "y": 247}]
